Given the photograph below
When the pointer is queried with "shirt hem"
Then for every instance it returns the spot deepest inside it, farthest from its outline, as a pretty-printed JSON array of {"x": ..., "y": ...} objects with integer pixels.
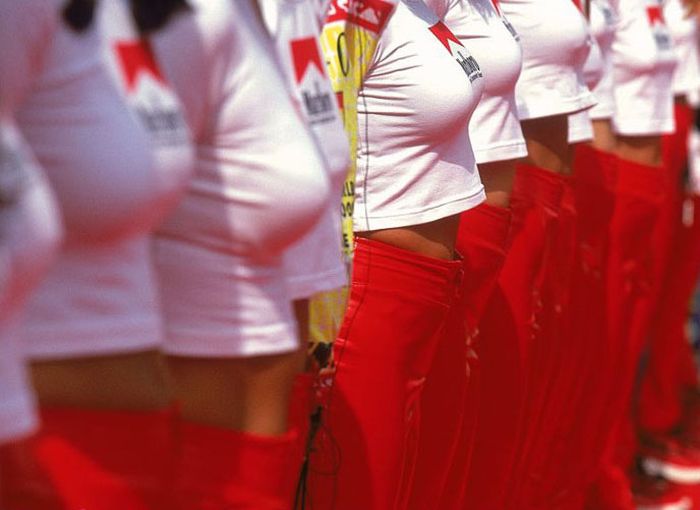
[
  {"x": 241, "y": 343},
  {"x": 501, "y": 152},
  {"x": 305, "y": 286},
  {"x": 643, "y": 127},
  {"x": 538, "y": 109},
  {"x": 92, "y": 341},
  {"x": 420, "y": 217}
]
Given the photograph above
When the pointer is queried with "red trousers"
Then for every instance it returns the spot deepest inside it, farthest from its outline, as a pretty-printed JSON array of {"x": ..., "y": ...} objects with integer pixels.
[
  {"x": 638, "y": 199},
  {"x": 506, "y": 336},
  {"x": 448, "y": 406},
  {"x": 92, "y": 460},
  {"x": 366, "y": 449},
  {"x": 670, "y": 369}
]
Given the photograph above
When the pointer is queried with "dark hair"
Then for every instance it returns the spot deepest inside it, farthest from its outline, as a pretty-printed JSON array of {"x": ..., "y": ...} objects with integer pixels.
[
  {"x": 149, "y": 15},
  {"x": 78, "y": 14},
  {"x": 152, "y": 15}
]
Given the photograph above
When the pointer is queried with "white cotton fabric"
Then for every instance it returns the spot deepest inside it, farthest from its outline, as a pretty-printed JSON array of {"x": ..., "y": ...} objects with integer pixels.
[
  {"x": 603, "y": 21},
  {"x": 118, "y": 169},
  {"x": 495, "y": 131},
  {"x": 315, "y": 263},
  {"x": 686, "y": 42},
  {"x": 644, "y": 63},
  {"x": 30, "y": 229},
  {"x": 597, "y": 71},
  {"x": 555, "y": 43},
  {"x": 415, "y": 163},
  {"x": 260, "y": 183},
  {"x": 30, "y": 235}
]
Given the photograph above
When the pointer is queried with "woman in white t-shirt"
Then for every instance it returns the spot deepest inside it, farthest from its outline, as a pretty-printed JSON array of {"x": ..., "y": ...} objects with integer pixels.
[
  {"x": 416, "y": 173},
  {"x": 643, "y": 66},
  {"x": 450, "y": 402},
  {"x": 107, "y": 129},
  {"x": 260, "y": 184},
  {"x": 29, "y": 220}
]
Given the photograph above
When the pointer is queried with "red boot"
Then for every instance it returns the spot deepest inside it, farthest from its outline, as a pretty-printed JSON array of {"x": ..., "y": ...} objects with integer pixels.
[
  {"x": 223, "y": 469},
  {"x": 92, "y": 460},
  {"x": 366, "y": 448},
  {"x": 448, "y": 406}
]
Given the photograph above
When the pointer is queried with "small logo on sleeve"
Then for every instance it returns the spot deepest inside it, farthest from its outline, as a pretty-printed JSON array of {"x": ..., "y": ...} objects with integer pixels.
[
  {"x": 506, "y": 23},
  {"x": 662, "y": 37},
  {"x": 468, "y": 63},
  {"x": 371, "y": 15}
]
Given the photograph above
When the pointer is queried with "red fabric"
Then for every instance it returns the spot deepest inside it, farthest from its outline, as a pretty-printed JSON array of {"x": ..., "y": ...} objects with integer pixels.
[
  {"x": 92, "y": 460},
  {"x": 366, "y": 448},
  {"x": 507, "y": 331},
  {"x": 551, "y": 371},
  {"x": 639, "y": 196},
  {"x": 578, "y": 392},
  {"x": 448, "y": 405},
  {"x": 223, "y": 469},
  {"x": 666, "y": 377}
]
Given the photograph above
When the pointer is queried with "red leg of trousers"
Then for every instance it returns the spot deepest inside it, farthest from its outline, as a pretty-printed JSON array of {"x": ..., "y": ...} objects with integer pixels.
[
  {"x": 92, "y": 460},
  {"x": 448, "y": 403},
  {"x": 638, "y": 198},
  {"x": 660, "y": 395},
  {"x": 398, "y": 305},
  {"x": 506, "y": 333},
  {"x": 552, "y": 371},
  {"x": 585, "y": 340},
  {"x": 222, "y": 469},
  {"x": 666, "y": 379},
  {"x": 540, "y": 330}
]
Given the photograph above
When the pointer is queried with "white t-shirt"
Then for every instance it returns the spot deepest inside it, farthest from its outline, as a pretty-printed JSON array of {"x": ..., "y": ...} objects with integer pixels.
[
  {"x": 260, "y": 183},
  {"x": 644, "y": 62},
  {"x": 315, "y": 263},
  {"x": 555, "y": 43},
  {"x": 30, "y": 230},
  {"x": 495, "y": 131},
  {"x": 597, "y": 71},
  {"x": 603, "y": 21},
  {"x": 101, "y": 296},
  {"x": 415, "y": 163},
  {"x": 686, "y": 41},
  {"x": 30, "y": 236}
]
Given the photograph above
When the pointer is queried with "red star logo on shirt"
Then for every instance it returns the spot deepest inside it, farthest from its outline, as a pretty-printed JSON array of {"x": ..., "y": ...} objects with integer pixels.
[
  {"x": 304, "y": 54},
  {"x": 371, "y": 15},
  {"x": 444, "y": 35},
  {"x": 136, "y": 57},
  {"x": 655, "y": 15}
]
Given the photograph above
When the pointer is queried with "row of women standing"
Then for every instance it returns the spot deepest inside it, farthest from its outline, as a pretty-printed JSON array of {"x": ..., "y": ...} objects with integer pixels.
[{"x": 158, "y": 277}]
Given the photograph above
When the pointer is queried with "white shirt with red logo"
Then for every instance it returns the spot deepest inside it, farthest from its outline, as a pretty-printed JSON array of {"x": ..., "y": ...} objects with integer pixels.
[
  {"x": 415, "y": 163},
  {"x": 597, "y": 71},
  {"x": 118, "y": 169},
  {"x": 315, "y": 263},
  {"x": 260, "y": 184},
  {"x": 494, "y": 127},
  {"x": 686, "y": 42},
  {"x": 644, "y": 62},
  {"x": 555, "y": 44}
]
